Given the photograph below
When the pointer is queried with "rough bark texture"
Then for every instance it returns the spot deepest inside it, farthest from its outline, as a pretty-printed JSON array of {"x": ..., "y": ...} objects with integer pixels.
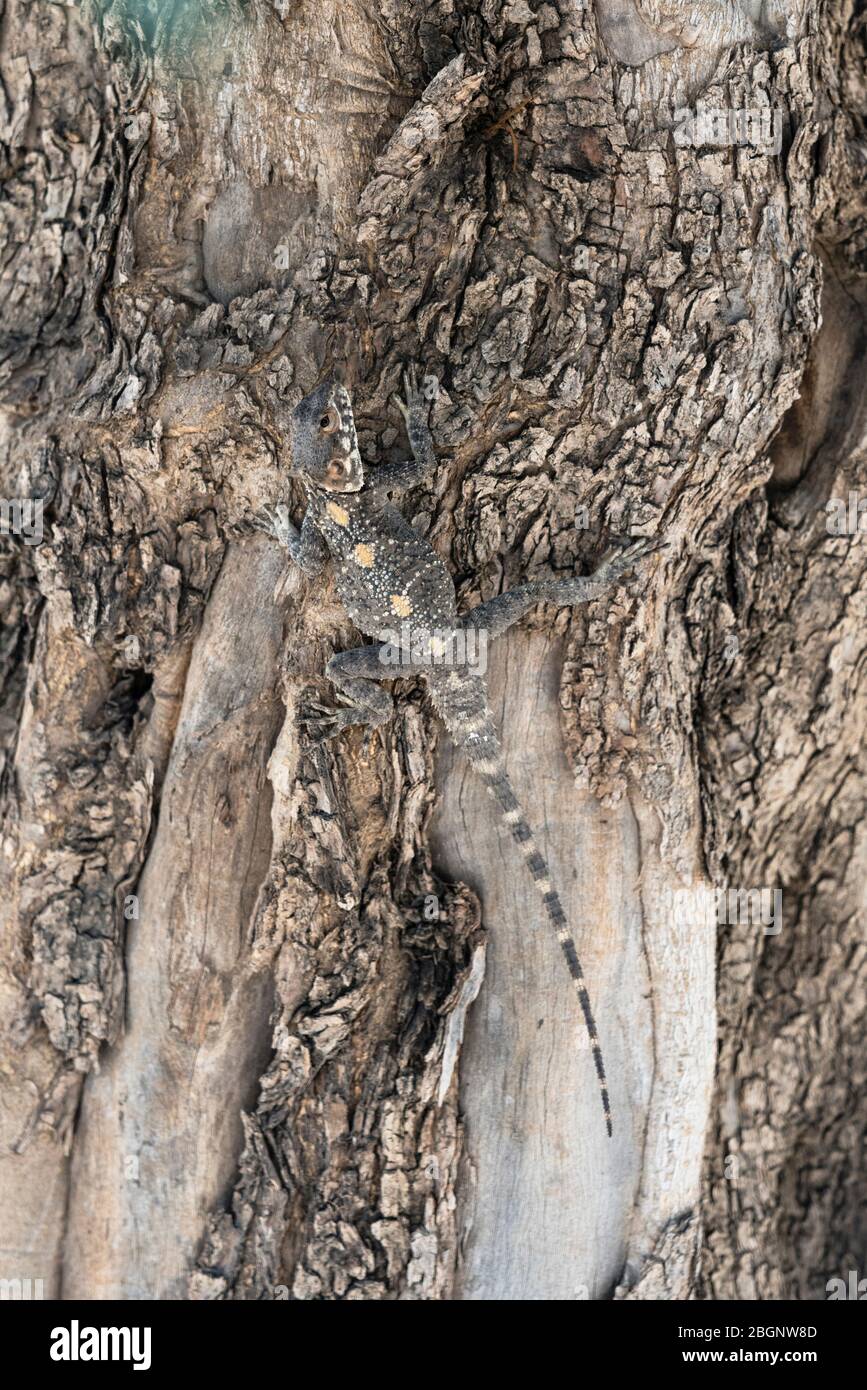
[{"x": 274, "y": 1081}]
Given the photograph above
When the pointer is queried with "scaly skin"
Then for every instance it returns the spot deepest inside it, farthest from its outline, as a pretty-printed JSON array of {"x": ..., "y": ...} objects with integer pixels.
[{"x": 390, "y": 580}]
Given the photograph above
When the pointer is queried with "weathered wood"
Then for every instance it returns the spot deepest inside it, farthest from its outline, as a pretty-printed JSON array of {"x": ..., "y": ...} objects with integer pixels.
[
  {"x": 160, "y": 1125},
  {"x": 276, "y": 1081},
  {"x": 554, "y": 1209}
]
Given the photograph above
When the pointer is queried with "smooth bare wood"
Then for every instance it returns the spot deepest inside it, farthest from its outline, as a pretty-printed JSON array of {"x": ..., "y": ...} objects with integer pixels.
[
  {"x": 159, "y": 1131},
  {"x": 553, "y": 1209}
]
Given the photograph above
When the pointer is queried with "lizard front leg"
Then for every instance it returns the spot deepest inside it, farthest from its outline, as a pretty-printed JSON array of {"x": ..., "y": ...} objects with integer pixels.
[
  {"x": 500, "y": 613},
  {"x": 414, "y": 407},
  {"x": 306, "y": 547}
]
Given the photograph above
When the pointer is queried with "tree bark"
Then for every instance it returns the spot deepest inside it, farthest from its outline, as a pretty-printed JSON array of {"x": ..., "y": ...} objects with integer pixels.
[{"x": 284, "y": 1021}]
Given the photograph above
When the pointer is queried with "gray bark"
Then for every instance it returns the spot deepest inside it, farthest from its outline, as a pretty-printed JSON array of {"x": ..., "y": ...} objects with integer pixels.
[{"x": 284, "y": 1077}]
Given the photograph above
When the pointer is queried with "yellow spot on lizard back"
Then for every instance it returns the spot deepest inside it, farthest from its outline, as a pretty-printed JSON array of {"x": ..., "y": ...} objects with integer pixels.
[
  {"x": 364, "y": 556},
  {"x": 400, "y": 605},
  {"x": 338, "y": 514}
]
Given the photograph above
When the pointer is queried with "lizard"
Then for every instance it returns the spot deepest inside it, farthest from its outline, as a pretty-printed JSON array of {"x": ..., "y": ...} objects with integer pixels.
[{"x": 386, "y": 571}]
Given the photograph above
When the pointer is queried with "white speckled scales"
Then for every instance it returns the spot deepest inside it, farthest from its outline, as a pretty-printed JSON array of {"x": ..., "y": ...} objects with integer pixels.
[{"x": 386, "y": 574}]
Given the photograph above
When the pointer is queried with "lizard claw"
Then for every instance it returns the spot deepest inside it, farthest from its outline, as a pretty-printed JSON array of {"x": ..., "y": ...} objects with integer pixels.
[
  {"x": 273, "y": 521},
  {"x": 321, "y": 723},
  {"x": 406, "y": 402},
  {"x": 320, "y": 729},
  {"x": 626, "y": 557},
  {"x": 416, "y": 398}
]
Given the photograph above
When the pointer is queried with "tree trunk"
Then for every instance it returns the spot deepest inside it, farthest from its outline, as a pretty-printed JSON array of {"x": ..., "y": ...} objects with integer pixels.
[{"x": 284, "y": 1021}]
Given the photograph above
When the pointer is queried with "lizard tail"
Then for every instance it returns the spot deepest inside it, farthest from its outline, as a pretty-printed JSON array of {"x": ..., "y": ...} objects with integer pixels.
[{"x": 463, "y": 707}]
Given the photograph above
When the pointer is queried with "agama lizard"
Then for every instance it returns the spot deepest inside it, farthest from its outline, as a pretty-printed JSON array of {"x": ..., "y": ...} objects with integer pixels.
[{"x": 386, "y": 572}]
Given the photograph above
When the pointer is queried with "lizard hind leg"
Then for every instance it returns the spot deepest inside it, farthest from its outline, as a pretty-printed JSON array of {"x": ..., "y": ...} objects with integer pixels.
[
  {"x": 499, "y": 614},
  {"x": 356, "y": 676}
]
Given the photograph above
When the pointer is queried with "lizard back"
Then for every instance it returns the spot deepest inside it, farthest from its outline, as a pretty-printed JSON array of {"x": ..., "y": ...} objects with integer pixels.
[{"x": 386, "y": 574}]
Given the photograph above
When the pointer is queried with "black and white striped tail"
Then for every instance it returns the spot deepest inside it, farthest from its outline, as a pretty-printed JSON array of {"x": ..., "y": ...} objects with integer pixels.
[{"x": 465, "y": 713}]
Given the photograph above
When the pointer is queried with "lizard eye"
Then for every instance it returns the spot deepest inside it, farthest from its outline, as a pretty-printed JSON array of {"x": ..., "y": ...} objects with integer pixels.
[{"x": 329, "y": 421}]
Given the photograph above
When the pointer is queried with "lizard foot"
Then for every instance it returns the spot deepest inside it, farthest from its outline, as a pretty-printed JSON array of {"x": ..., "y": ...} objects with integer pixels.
[
  {"x": 274, "y": 521},
  {"x": 416, "y": 398},
  {"x": 625, "y": 558},
  {"x": 322, "y": 723}
]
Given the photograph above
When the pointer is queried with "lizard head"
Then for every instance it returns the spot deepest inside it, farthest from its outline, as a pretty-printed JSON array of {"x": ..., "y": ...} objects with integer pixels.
[{"x": 324, "y": 442}]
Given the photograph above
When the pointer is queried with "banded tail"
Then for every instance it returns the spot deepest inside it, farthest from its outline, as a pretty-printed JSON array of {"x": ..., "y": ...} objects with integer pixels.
[{"x": 461, "y": 701}]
